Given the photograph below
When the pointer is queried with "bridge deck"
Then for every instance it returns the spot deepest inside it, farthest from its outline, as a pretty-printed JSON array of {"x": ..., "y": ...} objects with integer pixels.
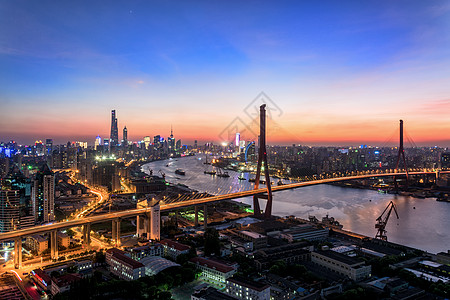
[{"x": 171, "y": 206}]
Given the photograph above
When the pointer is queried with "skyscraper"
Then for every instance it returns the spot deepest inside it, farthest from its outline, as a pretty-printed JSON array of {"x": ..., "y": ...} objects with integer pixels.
[
  {"x": 125, "y": 136},
  {"x": 98, "y": 142},
  {"x": 9, "y": 210},
  {"x": 17, "y": 181},
  {"x": 43, "y": 195},
  {"x": 114, "y": 139}
]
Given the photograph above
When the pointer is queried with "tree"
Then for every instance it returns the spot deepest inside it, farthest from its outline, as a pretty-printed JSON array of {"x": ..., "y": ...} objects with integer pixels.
[
  {"x": 54, "y": 274},
  {"x": 99, "y": 257},
  {"x": 70, "y": 232},
  {"x": 212, "y": 242}
]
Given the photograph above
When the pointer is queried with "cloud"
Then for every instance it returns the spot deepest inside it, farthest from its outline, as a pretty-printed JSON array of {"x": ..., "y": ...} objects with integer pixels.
[{"x": 433, "y": 108}]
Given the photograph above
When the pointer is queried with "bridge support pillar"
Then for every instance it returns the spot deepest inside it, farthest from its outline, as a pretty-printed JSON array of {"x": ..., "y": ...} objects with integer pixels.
[
  {"x": 87, "y": 236},
  {"x": 205, "y": 216},
  {"x": 154, "y": 223},
  {"x": 113, "y": 231},
  {"x": 262, "y": 158},
  {"x": 18, "y": 253},
  {"x": 54, "y": 244},
  {"x": 149, "y": 223},
  {"x": 196, "y": 216},
  {"x": 116, "y": 232}
]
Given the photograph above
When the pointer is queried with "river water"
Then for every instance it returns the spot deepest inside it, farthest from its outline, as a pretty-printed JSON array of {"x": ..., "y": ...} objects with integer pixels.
[{"x": 423, "y": 223}]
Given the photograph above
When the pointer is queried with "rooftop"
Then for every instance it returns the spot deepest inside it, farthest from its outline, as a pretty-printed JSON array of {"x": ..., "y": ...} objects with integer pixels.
[
  {"x": 42, "y": 276},
  {"x": 175, "y": 245},
  {"x": 430, "y": 263},
  {"x": 145, "y": 247},
  {"x": 120, "y": 255},
  {"x": 254, "y": 285},
  {"x": 339, "y": 257},
  {"x": 66, "y": 279},
  {"x": 299, "y": 230},
  {"x": 156, "y": 264},
  {"x": 212, "y": 294},
  {"x": 252, "y": 234},
  {"x": 212, "y": 264},
  {"x": 39, "y": 238}
]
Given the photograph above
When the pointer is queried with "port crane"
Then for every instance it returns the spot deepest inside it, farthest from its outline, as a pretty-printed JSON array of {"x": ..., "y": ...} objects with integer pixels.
[{"x": 382, "y": 221}]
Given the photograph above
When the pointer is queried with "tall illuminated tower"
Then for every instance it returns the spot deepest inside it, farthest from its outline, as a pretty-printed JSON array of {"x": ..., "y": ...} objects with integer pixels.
[
  {"x": 171, "y": 141},
  {"x": 114, "y": 139},
  {"x": 125, "y": 136}
]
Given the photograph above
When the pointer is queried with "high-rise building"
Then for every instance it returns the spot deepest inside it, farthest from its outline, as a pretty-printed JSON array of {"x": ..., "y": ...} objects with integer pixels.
[
  {"x": 43, "y": 195},
  {"x": 114, "y": 139},
  {"x": 48, "y": 146},
  {"x": 15, "y": 180},
  {"x": 156, "y": 141},
  {"x": 125, "y": 136},
  {"x": 9, "y": 210},
  {"x": 98, "y": 142},
  {"x": 105, "y": 174},
  {"x": 147, "y": 142}
]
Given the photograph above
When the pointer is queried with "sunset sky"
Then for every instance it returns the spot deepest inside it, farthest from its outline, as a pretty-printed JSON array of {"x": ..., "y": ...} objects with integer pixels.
[{"x": 340, "y": 72}]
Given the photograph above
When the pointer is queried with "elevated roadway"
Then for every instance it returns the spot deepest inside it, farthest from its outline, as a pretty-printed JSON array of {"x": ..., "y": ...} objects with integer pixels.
[{"x": 8, "y": 236}]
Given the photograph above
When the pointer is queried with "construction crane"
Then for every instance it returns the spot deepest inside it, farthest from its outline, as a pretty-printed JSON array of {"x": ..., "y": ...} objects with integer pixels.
[{"x": 382, "y": 221}]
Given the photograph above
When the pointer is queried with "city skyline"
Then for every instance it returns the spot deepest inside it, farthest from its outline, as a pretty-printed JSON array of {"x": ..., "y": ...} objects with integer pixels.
[{"x": 343, "y": 74}]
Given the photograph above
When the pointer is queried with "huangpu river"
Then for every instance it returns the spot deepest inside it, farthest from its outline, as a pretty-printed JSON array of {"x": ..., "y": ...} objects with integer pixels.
[{"x": 423, "y": 223}]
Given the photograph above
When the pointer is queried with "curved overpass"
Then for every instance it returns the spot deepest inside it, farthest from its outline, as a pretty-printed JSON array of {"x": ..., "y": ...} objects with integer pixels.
[{"x": 171, "y": 206}]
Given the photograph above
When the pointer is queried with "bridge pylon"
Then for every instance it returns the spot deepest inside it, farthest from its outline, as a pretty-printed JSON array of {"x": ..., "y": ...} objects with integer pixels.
[
  {"x": 262, "y": 158},
  {"x": 401, "y": 156}
]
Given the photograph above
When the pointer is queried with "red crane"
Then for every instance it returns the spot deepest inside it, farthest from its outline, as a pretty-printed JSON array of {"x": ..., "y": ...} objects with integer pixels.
[{"x": 382, "y": 221}]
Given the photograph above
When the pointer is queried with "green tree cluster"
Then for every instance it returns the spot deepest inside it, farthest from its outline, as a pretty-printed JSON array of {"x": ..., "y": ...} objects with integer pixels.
[{"x": 148, "y": 287}]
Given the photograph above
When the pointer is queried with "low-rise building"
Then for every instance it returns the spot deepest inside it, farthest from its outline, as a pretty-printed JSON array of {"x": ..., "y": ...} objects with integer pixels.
[
  {"x": 172, "y": 248},
  {"x": 350, "y": 267},
  {"x": 139, "y": 253},
  {"x": 289, "y": 253},
  {"x": 304, "y": 232},
  {"x": 210, "y": 293},
  {"x": 42, "y": 279},
  {"x": 123, "y": 266},
  {"x": 282, "y": 288},
  {"x": 63, "y": 240},
  {"x": 214, "y": 271},
  {"x": 244, "y": 289},
  {"x": 259, "y": 240},
  {"x": 62, "y": 283},
  {"x": 36, "y": 243},
  {"x": 84, "y": 267}
]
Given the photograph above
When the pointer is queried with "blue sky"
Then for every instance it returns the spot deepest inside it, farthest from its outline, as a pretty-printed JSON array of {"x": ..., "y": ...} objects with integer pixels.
[{"x": 355, "y": 67}]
